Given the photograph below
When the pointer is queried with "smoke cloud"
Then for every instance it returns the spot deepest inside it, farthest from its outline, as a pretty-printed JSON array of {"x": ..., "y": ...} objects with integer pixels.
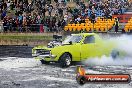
[
  {"x": 124, "y": 43},
  {"x": 14, "y": 62}
]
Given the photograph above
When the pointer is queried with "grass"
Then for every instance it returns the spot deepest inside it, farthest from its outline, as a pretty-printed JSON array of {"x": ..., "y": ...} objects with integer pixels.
[
  {"x": 20, "y": 37},
  {"x": 25, "y": 38}
]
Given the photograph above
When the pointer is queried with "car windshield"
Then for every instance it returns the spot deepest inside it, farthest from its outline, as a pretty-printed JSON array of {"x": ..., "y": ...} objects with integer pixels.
[{"x": 73, "y": 39}]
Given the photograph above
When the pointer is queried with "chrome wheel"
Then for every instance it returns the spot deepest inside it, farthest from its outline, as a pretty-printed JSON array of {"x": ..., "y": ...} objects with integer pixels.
[{"x": 68, "y": 61}]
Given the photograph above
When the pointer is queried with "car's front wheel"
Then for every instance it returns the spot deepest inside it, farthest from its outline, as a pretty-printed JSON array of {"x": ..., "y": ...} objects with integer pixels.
[
  {"x": 44, "y": 62},
  {"x": 65, "y": 60}
]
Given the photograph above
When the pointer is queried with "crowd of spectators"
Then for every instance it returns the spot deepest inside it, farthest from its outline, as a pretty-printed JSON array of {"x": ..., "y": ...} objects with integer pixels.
[
  {"x": 52, "y": 17},
  {"x": 102, "y": 8}
]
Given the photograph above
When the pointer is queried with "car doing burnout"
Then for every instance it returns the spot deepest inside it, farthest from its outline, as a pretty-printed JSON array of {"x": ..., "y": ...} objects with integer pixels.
[{"x": 77, "y": 47}]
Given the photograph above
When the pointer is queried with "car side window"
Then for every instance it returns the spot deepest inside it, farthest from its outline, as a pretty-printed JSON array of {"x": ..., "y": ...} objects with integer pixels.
[{"x": 89, "y": 39}]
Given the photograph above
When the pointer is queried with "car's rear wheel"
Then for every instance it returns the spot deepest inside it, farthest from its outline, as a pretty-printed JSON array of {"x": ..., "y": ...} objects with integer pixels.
[
  {"x": 65, "y": 60},
  {"x": 115, "y": 54},
  {"x": 44, "y": 62}
]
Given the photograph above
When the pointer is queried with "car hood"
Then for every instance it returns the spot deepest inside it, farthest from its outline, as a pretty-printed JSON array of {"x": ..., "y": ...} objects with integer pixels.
[{"x": 45, "y": 47}]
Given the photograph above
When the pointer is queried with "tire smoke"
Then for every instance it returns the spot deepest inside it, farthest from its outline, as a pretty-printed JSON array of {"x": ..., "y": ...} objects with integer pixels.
[
  {"x": 124, "y": 43},
  {"x": 14, "y": 62}
]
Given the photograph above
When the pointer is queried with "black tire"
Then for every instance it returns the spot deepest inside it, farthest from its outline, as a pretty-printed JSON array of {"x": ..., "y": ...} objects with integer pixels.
[
  {"x": 65, "y": 60},
  {"x": 44, "y": 62},
  {"x": 114, "y": 54}
]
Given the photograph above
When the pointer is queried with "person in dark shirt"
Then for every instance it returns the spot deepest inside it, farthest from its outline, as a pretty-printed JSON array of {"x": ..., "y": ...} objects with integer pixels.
[
  {"x": 60, "y": 11},
  {"x": 69, "y": 10},
  {"x": 13, "y": 25},
  {"x": 92, "y": 17},
  {"x": 50, "y": 8},
  {"x": 43, "y": 11},
  {"x": 1, "y": 6},
  {"x": 56, "y": 1},
  {"x": 5, "y": 24},
  {"x": 116, "y": 25},
  {"x": 5, "y": 5},
  {"x": 3, "y": 14}
]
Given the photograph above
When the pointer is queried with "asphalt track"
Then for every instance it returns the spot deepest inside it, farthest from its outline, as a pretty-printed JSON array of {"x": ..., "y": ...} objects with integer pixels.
[{"x": 19, "y": 70}]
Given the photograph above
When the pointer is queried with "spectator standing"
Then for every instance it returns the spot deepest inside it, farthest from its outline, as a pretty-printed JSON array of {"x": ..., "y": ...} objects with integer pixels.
[
  {"x": 1, "y": 6},
  {"x": 12, "y": 5},
  {"x": 8, "y": 5},
  {"x": 10, "y": 24},
  {"x": 54, "y": 23},
  {"x": 56, "y": 1},
  {"x": 47, "y": 22},
  {"x": 3, "y": 14},
  {"x": 93, "y": 17},
  {"x": 5, "y": 24},
  {"x": 20, "y": 21},
  {"x": 116, "y": 25},
  {"x": 17, "y": 23},
  {"x": 63, "y": 3},
  {"x": 78, "y": 20},
  {"x": 38, "y": 19},
  {"x": 60, "y": 11},
  {"x": 59, "y": 25},
  {"x": 69, "y": 10},
  {"x": 25, "y": 23},
  {"x": 50, "y": 8},
  {"x": 29, "y": 8},
  {"x": 63, "y": 23},
  {"x": 43, "y": 11},
  {"x": 14, "y": 24},
  {"x": 66, "y": 17},
  {"x": 50, "y": 26},
  {"x": 4, "y": 5}
]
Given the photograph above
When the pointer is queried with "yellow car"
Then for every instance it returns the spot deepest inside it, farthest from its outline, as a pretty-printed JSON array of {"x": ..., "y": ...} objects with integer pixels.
[{"x": 77, "y": 47}]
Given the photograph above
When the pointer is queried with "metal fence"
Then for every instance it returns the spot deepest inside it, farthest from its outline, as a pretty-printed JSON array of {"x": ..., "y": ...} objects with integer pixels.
[{"x": 39, "y": 28}]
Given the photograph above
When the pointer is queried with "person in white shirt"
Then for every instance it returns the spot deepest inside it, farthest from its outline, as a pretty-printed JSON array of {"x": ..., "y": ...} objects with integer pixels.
[{"x": 8, "y": 5}]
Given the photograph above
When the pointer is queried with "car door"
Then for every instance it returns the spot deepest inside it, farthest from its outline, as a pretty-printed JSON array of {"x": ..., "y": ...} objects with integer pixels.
[{"x": 88, "y": 47}]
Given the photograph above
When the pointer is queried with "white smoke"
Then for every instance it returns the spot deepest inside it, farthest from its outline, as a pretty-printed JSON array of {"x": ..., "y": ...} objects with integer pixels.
[
  {"x": 124, "y": 43},
  {"x": 15, "y": 62}
]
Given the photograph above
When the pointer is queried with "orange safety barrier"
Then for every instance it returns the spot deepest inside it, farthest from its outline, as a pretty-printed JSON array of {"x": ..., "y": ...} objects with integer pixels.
[{"x": 123, "y": 18}]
